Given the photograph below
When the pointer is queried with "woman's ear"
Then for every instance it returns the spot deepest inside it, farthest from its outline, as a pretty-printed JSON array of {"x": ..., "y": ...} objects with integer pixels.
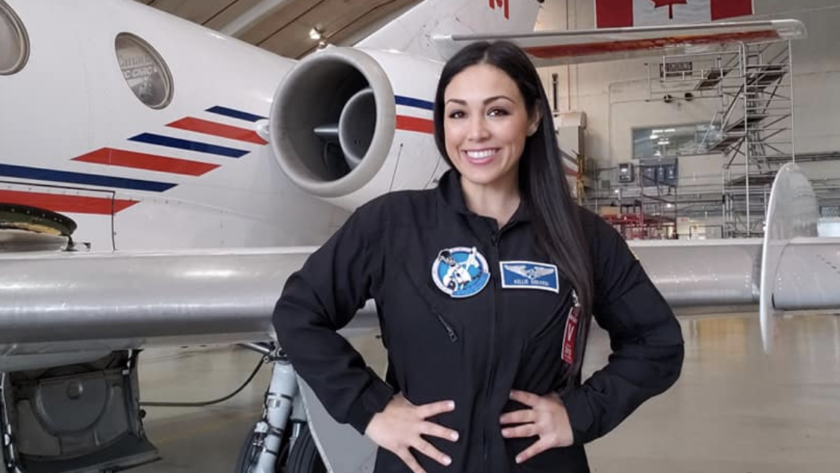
[{"x": 534, "y": 122}]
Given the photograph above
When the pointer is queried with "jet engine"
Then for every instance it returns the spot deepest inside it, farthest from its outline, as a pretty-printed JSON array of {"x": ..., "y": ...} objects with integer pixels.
[{"x": 348, "y": 125}]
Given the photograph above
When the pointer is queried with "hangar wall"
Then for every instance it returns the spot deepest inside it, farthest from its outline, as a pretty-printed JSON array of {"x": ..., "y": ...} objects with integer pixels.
[{"x": 615, "y": 95}]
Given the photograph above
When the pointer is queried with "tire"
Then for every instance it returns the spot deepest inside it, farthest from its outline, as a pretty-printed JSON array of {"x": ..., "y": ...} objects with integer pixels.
[
  {"x": 248, "y": 453},
  {"x": 304, "y": 456}
]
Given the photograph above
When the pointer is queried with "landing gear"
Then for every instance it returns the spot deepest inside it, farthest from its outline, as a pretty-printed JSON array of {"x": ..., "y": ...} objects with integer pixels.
[
  {"x": 281, "y": 441},
  {"x": 298, "y": 456},
  {"x": 249, "y": 454}
]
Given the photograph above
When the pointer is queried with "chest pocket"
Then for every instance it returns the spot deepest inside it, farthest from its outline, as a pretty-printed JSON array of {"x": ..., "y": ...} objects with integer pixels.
[
  {"x": 541, "y": 362},
  {"x": 555, "y": 318}
]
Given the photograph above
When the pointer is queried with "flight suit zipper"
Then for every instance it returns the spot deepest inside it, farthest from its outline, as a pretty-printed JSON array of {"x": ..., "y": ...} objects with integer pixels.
[
  {"x": 453, "y": 337},
  {"x": 494, "y": 263}
]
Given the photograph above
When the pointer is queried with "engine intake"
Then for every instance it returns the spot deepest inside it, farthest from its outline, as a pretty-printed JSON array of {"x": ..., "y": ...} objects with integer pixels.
[{"x": 332, "y": 122}]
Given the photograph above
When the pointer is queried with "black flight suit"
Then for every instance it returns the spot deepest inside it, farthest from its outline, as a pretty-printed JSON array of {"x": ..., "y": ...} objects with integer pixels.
[{"x": 472, "y": 350}]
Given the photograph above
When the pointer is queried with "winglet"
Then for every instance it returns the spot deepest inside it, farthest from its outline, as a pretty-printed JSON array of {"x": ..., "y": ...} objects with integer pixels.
[{"x": 793, "y": 212}]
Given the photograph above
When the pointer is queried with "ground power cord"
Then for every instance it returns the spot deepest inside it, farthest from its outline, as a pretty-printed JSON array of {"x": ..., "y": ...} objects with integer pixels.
[{"x": 211, "y": 402}]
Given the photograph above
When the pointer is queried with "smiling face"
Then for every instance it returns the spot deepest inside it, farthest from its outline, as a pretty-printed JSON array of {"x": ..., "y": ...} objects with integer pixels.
[{"x": 485, "y": 125}]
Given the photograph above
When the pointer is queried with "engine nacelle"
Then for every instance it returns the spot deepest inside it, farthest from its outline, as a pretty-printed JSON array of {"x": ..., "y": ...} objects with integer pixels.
[{"x": 348, "y": 125}]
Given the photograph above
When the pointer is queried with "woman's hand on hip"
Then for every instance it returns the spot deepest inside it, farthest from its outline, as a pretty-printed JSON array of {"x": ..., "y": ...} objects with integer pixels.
[
  {"x": 401, "y": 426},
  {"x": 547, "y": 419}
]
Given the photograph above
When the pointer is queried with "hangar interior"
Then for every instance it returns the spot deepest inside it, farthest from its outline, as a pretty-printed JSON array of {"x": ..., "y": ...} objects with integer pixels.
[
  {"x": 689, "y": 144},
  {"x": 665, "y": 147},
  {"x": 682, "y": 146}
]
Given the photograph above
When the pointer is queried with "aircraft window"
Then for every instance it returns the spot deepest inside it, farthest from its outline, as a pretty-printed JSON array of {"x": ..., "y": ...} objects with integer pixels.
[
  {"x": 144, "y": 71},
  {"x": 14, "y": 45}
]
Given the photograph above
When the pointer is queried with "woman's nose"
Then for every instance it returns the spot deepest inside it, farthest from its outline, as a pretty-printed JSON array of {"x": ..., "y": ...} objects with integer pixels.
[{"x": 478, "y": 129}]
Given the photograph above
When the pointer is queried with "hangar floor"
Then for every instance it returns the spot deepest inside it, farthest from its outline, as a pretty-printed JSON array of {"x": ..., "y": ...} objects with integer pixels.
[{"x": 733, "y": 410}]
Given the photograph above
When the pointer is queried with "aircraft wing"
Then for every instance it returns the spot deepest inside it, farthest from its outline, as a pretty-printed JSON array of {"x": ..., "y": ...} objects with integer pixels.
[
  {"x": 97, "y": 303},
  {"x": 85, "y": 305},
  {"x": 106, "y": 302},
  {"x": 551, "y": 48}
]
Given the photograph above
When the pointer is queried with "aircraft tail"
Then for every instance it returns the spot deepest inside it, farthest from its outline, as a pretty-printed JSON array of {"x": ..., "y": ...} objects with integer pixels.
[{"x": 412, "y": 32}]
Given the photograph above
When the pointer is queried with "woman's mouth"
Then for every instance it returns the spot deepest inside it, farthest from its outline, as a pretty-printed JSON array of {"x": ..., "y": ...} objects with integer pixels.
[{"x": 480, "y": 156}]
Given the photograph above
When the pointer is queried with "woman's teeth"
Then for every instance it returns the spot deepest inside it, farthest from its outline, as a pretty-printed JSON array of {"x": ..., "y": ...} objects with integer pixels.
[{"x": 483, "y": 154}]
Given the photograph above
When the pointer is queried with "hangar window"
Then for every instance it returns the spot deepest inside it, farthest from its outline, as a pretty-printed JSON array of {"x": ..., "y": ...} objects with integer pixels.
[
  {"x": 674, "y": 140},
  {"x": 144, "y": 71},
  {"x": 14, "y": 45}
]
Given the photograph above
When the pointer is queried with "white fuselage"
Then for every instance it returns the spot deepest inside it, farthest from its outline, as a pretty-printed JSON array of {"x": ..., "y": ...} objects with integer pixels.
[{"x": 70, "y": 100}]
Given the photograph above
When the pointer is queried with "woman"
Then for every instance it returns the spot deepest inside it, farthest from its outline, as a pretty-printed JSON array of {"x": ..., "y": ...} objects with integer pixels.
[{"x": 485, "y": 289}]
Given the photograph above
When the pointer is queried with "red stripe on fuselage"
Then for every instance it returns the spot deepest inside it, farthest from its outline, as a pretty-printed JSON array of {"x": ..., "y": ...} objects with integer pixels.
[
  {"x": 217, "y": 129},
  {"x": 66, "y": 203},
  {"x": 420, "y": 125},
  {"x": 131, "y": 159}
]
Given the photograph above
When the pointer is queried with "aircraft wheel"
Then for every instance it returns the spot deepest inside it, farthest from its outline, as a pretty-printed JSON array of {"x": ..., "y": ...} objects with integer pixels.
[{"x": 304, "y": 456}]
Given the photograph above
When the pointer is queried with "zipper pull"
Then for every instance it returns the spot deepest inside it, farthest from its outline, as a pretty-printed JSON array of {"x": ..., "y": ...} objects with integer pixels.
[{"x": 452, "y": 335}]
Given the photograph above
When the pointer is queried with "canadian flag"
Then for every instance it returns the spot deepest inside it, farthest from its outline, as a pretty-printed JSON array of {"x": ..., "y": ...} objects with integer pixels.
[{"x": 617, "y": 13}]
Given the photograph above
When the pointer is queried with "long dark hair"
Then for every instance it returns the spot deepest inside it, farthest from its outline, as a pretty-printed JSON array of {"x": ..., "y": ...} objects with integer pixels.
[{"x": 542, "y": 180}]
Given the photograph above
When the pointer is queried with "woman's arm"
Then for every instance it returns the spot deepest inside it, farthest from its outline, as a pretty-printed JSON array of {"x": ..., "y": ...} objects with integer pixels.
[
  {"x": 321, "y": 298},
  {"x": 645, "y": 337}
]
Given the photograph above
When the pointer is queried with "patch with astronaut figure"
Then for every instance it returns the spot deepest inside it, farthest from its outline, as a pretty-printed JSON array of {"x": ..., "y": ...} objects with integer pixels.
[
  {"x": 460, "y": 272},
  {"x": 529, "y": 275}
]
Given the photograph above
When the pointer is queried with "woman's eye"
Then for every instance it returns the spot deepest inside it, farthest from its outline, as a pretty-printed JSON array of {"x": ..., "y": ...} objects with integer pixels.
[
  {"x": 497, "y": 112},
  {"x": 456, "y": 114}
]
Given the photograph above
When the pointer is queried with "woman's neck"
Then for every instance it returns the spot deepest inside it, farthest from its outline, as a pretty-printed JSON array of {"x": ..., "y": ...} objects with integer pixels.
[{"x": 498, "y": 200}]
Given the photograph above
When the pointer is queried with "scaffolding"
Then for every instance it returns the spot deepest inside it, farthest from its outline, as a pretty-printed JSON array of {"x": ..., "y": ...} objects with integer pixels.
[
  {"x": 753, "y": 124},
  {"x": 756, "y": 134}
]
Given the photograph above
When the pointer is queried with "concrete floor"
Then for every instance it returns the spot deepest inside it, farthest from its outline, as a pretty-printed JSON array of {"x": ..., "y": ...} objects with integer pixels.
[{"x": 734, "y": 410}]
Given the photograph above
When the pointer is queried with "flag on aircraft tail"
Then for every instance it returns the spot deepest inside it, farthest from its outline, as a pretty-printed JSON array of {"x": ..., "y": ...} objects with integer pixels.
[{"x": 625, "y": 13}]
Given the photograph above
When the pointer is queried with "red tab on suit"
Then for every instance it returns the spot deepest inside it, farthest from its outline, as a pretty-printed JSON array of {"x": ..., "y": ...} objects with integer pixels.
[{"x": 570, "y": 334}]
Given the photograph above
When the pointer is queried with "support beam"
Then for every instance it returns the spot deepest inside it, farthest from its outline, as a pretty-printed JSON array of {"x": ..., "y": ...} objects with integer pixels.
[{"x": 252, "y": 16}]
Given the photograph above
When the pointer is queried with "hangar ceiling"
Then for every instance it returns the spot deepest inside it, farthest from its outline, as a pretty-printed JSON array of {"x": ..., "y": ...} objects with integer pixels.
[{"x": 283, "y": 26}]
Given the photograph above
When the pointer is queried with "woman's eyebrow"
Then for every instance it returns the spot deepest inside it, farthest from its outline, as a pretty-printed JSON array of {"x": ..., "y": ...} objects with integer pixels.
[{"x": 486, "y": 101}]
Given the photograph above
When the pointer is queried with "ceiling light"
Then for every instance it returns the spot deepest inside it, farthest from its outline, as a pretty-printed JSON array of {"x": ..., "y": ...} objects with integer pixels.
[{"x": 315, "y": 34}]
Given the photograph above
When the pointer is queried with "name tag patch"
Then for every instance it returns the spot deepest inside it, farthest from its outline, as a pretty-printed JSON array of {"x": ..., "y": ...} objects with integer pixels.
[{"x": 529, "y": 275}]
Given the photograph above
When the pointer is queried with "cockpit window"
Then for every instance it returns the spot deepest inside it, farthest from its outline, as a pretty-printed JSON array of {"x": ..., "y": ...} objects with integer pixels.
[
  {"x": 14, "y": 44},
  {"x": 144, "y": 71}
]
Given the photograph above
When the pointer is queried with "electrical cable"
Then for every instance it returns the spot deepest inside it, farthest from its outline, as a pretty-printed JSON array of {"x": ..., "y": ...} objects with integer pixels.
[{"x": 211, "y": 402}]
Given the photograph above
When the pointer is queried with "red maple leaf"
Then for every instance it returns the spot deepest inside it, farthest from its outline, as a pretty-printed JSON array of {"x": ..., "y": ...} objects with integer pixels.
[
  {"x": 670, "y": 4},
  {"x": 502, "y": 4}
]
